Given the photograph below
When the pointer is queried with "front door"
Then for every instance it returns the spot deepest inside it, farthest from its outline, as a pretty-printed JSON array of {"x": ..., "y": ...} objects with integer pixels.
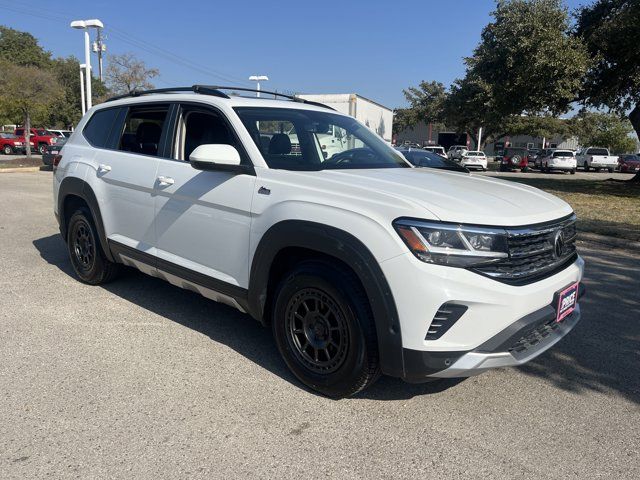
[{"x": 203, "y": 218}]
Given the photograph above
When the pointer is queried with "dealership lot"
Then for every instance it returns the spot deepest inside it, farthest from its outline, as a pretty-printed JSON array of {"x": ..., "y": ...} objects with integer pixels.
[{"x": 140, "y": 379}]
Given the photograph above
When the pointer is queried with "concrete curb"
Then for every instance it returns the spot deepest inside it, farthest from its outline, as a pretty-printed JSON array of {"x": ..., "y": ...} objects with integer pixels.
[
  {"x": 19, "y": 169},
  {"x": 610, "y": 241}
]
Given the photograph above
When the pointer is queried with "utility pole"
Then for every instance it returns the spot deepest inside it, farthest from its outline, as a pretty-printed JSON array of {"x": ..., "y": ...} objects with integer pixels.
[
  {"x": 82, "y": 99},
  {"x": 479, "y": 138},
  {"x": 99, "y": 47}
]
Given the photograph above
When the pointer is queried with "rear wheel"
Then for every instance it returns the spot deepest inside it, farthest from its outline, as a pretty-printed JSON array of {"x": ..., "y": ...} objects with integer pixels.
[
  {"x": 610, "y": 170},
  {"x": 87, "y": 257},
  {"x": 586, "y": 166},
  {"x": 573, "y": 171},
  {"x": 324, "y": 329},
  {"x": 42, "y": 148}
]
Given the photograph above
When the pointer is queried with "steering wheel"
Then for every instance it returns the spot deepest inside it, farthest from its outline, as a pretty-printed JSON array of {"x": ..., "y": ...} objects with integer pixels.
[{"x": 354, "y": 155}]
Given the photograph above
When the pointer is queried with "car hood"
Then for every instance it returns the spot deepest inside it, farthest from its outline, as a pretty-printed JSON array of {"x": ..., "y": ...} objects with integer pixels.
[{"x": 458, "y": 197}]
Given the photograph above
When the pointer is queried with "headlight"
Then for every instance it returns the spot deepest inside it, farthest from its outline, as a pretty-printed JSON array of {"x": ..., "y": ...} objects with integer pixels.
[{"x": 453, "y": 244}]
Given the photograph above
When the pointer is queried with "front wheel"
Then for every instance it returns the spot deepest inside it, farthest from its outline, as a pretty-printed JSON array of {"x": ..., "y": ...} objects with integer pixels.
[
  {"x": 42, "y": 148},
  {"x": 586, "y": 166},
  {"x": 324, "y": 329},
  {"x": 610, "y": 170},
  {"x": 573, "y": 171},
  {"x": 87, "y": 258}
]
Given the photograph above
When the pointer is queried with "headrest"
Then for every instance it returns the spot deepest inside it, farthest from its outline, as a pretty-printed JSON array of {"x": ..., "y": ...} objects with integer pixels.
[
  {"x": 148, "y": 132},
  {"x": 280, "y": 144}
]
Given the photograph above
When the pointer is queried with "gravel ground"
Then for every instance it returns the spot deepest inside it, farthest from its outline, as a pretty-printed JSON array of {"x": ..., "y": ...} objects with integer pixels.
[{"x": 139, "y": 379}]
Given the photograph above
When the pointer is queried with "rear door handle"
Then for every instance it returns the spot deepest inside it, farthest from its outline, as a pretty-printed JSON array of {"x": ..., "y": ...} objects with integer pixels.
[
  {"x": 165, "y": 180},
  {"x": 104, "y": 168}
]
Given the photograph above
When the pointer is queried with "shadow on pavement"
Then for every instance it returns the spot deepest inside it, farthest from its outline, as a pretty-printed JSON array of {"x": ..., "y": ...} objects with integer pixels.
[
  {"x": 219, "y": 322},
  {"x": 602, "y": 353}
]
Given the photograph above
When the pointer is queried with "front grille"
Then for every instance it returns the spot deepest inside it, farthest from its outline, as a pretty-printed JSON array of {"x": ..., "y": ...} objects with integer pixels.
[
  {"x": 535, "y": 252},
  {"x": 445, "y": 317}
]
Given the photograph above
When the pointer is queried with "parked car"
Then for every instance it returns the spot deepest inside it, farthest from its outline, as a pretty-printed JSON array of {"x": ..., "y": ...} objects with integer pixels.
[
  {"x": 597, "y": 158},
  {"x": 360, "y": 263},
  {"x": 40, "y": 137},
  {"x": 559, "y": 160},
  {"x": 423, "y": 158},
  {"x": 12, "y": 144},
  {"x": 60, "y": 133},
  {"x": 537, "y": 161},
  {"x": 437, "y": 149},
  {"x": 457, "y": 151},
  {"x": 532, "y": 154},
  {"x": 474, "y": 159},
  {"x": 52, "y": 151},
  {"x": 514, "y": 158},
  {"x": 629, "y": 163}
]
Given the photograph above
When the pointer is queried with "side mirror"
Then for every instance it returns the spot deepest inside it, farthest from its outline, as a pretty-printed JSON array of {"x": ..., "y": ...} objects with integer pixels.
[{"x": 216, "y": 157}]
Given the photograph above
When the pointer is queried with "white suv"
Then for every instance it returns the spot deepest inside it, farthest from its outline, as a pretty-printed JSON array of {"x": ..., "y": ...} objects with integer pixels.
[{"x": 360, "y": 263}]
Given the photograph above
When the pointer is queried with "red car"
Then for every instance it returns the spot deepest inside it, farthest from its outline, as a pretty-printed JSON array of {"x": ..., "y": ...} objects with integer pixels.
[
  {"x": 514, "y": 158},
  {"x": 629, "y": 163},
  {"x": 40, "y": 137},
  {"x": 12, "y": 144}
]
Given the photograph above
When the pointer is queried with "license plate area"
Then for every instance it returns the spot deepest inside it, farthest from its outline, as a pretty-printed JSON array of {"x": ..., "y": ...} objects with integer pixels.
[{"x": 567, "y": 300}]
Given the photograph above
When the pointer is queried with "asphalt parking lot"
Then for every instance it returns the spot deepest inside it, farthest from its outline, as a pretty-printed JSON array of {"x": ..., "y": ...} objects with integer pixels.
[{"x": 140, "y": 379}]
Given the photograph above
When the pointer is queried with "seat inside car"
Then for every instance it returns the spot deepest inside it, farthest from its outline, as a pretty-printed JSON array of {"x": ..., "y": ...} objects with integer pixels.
[{"x": 148, "y": 137}]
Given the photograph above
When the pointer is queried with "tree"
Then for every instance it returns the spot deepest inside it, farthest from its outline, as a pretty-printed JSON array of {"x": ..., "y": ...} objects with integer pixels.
[
  {"x": 426, "y": 102},
  {"x": 125, "y": 74},
  {"x": 27, "y": 93},
  {"x": 527, "y": 58},
  {"x": 605, "y": 130},
  {"x": 610, "y": 30},
  {"x": 22, "y": 48}
]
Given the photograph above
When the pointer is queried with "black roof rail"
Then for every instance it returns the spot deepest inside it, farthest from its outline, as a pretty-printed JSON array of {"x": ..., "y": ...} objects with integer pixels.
[
  {"x": 268, "y": 92},
  {"x": 215, "y": 91},
  {"x": 203, "y": 89}
]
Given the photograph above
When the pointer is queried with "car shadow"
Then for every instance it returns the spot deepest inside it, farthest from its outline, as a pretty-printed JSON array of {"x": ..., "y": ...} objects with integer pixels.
[{"x": 220, "y": 323}]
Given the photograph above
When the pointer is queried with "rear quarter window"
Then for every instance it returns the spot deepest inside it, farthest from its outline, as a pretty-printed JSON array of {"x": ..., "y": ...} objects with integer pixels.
[{"x": 99, "y": 126}]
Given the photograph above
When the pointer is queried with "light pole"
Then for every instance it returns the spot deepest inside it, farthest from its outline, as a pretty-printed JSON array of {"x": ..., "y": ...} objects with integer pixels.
[
  {"x": 84, "y": 107},
  {"x": 258, "y": 79},
  {"x": 86, "y": 25}
]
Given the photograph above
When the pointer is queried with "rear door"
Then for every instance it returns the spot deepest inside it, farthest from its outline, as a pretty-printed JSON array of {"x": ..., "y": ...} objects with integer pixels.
[
  {"x": 203, "y": 218},
  {"x": 126, "y": 170}
]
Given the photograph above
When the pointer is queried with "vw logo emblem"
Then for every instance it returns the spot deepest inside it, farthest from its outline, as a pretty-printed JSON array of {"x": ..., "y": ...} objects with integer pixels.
[{"x": 558, "y": 244}]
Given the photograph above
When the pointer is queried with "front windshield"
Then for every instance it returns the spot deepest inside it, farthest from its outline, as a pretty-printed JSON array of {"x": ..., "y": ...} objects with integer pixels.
[
  {"x": 293, "y": 139},
  {"x": 422, "y": 158}
]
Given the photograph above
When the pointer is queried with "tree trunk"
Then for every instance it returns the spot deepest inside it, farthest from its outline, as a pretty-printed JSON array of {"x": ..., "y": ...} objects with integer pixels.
[
  {"x": 27, "y": 133},
  {"x": 634, "y": 118}
]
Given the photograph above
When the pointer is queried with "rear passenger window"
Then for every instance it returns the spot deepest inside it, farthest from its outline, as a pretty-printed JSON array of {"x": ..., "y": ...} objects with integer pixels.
[
  {"x": 99, "y": 126},
  {"x": 143, "y": 129}
]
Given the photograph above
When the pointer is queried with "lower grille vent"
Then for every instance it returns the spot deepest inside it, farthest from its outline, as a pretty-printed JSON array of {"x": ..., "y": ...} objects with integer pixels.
[{"x": 448, "y": 314}]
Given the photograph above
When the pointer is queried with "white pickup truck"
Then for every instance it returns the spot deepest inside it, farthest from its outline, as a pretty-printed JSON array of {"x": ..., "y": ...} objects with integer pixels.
[{"x": 596, "y": 158}]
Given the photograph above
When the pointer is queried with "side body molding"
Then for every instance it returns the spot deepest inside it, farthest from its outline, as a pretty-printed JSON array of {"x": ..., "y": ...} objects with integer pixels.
[
  {"x": 349, "y": 250},
  {"x": 80, "y": 188}
]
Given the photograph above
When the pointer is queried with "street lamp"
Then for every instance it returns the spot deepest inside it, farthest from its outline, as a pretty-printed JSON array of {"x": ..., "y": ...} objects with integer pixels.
[
  {"x": 86, "y": 25},
  {"x": 258, "y": 79},
  {"x": 84, "y": 107}
]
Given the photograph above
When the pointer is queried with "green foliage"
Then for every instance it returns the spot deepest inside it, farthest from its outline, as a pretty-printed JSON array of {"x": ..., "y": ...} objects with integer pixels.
[
  {"x": 527, "y": 59},
  {"x": 427, "y": 103},
  {"x": 22, "y": 48},
  {"x": 604, "y": 130}
]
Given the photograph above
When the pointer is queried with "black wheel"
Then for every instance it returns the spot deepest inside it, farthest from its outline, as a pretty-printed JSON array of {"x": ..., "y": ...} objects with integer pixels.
[
  {"x": 610, "y": 170},
  {"x": 573, "y": 171},
  {"x": 324, "y": 329},
  {"x": 7, "y": 150},
  {"x": 42, "y": 148},
  {"x": 597, "y": 170},
  {"x": 586, "y": 166},
  {"x": 88, "y": 260},
  {"x": 503, "y": 168},
  {"x": 524, "y": 169}
]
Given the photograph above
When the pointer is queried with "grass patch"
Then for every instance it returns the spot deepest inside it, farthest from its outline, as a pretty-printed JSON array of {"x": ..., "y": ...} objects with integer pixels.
[
  {"x": 21, "y": 162},
  {"x": 605, "y": 207}
]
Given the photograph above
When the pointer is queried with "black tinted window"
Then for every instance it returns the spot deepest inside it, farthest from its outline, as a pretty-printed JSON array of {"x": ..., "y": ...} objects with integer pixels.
[
  {"x": 143, "y": 129},
  {"x": 99, "y": 126},
  {"x": 597, "y": 151}
]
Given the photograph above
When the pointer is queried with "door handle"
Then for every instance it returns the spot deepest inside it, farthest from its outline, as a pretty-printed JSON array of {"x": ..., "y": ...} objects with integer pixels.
[
  {"x": 165, "y": 180},
  {"x": 104, "y": 168}
]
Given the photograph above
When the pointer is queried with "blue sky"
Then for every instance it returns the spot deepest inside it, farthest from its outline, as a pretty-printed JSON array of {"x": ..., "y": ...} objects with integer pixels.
[{"x": 374, "y": 48}]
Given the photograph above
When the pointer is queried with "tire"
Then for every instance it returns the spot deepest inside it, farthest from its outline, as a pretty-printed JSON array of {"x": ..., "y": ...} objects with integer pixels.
[
  {"x": 87, "y": 257},
  {"x": 324, "y": 329},
  {"x": 572, "y": 171},
  {"x": 42, "y": 148},
  {"x": 610, "y": 170},
  {"x": 586, "y": 166},
  {"x": 7, "y": 150},
  {"x": 597, "y": 170},
  {"x": 502, "y": 168}
]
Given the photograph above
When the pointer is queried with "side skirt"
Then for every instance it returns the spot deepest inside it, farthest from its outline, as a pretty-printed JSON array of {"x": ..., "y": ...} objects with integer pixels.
[{"x": 182, "y": 277}]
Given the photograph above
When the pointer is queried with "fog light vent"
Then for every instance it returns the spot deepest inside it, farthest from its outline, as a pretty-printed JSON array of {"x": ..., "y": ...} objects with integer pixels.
[{"x": 448, "y": 314}]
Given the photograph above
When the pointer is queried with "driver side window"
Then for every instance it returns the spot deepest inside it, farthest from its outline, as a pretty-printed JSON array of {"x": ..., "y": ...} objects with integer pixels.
[{"x": 199, "y": 127}]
